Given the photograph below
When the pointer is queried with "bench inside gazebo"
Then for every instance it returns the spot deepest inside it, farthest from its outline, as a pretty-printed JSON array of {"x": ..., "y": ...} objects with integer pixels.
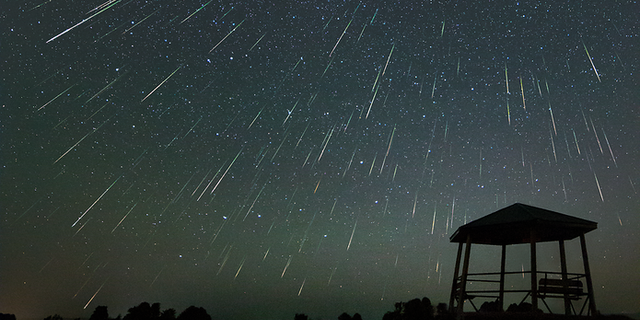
[{"x": 524, "y": 224}]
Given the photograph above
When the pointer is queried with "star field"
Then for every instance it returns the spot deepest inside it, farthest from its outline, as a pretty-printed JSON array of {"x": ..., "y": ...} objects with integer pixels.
[{"x": 261, "y": 159}]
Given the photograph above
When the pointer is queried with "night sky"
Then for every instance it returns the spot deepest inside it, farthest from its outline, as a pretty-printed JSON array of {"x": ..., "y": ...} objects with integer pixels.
[{"x": 265, "y": 159}]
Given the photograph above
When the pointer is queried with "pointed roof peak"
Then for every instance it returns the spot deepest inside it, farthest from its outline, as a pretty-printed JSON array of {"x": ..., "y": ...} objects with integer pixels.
[{"x": 518, "y": 222}]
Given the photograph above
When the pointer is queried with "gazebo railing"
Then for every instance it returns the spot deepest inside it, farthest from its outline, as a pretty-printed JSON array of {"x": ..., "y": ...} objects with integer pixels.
[{"x": 550, "y": 285}]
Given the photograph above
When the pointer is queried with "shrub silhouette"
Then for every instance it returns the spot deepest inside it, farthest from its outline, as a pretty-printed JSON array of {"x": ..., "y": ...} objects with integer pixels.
[
  {"x": 145, "y": 311},
  {"x": 194, "y": 313},
  {"x": 490, "y": 306},
  {"x": 140, "y": 312},
  {"x": 524, "y": 307},
  {"x": 301, "y": 316},
  {"x": 442, "y": 312},
  {"x": 344, "y": 316},
  {"x": 169, "y": 314},
  {"x": 415, "y": 309},
  {"x": 100, "y": 313},
  {"x": 155, "y": 311}
]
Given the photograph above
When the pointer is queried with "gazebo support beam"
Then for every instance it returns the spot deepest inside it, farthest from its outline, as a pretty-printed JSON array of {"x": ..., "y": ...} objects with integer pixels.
[
  {"x": 454, "y": 286},
  {"x": 587, "y": 272},
  {"x": 565, "y": 281},
  {"x": 534, "y": 271},
  {"x": 502, "y": 271},
  {"x": 463, "y": 281}
]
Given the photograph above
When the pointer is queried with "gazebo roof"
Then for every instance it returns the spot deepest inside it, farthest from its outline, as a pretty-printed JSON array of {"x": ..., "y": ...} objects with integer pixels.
[{"x": 516, "y": 223}]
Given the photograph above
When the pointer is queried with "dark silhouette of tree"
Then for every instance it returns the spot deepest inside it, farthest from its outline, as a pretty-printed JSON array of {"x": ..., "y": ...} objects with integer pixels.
[
  {"x": 53, "y": 317},
  {"x": 428, "y": 307},
  {"x": 7, "y": 316},
  {"x": 168, "y": 314},
  {"x": 441, "y": 308},
  {"x": 141, "y": 312},
  {"x": 395, "y": 314},
  {"x": 100, "y": 313},
  {"x": 344, "y": 316},
  {"x": 442, "y": 312},
  {"x": 155, "y": 310},
  {"x": 391, "y": 315},
  {"x": 490, "y": 306},
  {"x": 415, "y": 309},
  {"x": 194, "y": 313},
  {"x": 301, "y": 316},
  {"x": 524, "y": 307},
  {"x": 145, "y": 311},
  {"x": 356, "y": 316}
]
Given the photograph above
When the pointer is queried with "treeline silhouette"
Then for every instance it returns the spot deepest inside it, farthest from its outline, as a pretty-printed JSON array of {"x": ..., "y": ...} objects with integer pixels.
[
  {"x": 145, "y": 311},
  {"x": 416, "y": 309}
]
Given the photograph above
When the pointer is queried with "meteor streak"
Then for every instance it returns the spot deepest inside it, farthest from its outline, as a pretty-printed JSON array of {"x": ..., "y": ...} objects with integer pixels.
[
  {"x": 254, "y": 119},
  {"x": 225, "y": 37},
  {"x": 84, "y": 20},
  {"x": 598, "y": 184},
  {"x": 388, "y": 58},
  {"x": 374, "y": 16},
  {"x": 433, "y": 90},
  {"x": 388, "y": 148},
  {"x": 327, "y": 68},
  {"x": 597, "y": 138},
  {"x": 106, "y": 87},
  {"x": 240, "y": 267},
  {"x": 85, "y": 136},
  {"x": 506, "y": 77},
  {"x": 257, "y": 41},
  {"x": 331, "y": 276},
  {"x": 608, "y": 145},
  {"x": 94, "y": 295},
  {"x": 187, "y": 18},
  {"x": 94, "y": 203},
  {"x": 125, "y": 216},
  {"x": 56, "y": 97},
  {"x": 554, "y": 121},
  {"x": 352, "y": 232},
  {"x": 508, "y": 112},
  {"x": 524, "y": 105},
  {"x": 342, "y": 35},
  {"x": 225, "y": 172},
  {"x": 591, "y": 61},
  {"x": 433, "y": 223},
  {"x": 161, "y": 83},
  {"x": 364, "y": 26},
  {"x": 302, "y": 286},
  {"x": 286, "y": 266},
  {"x": 553, "y": 146},
  {"x": 139, "y": 22},
  {"x": 371, "y": 104}
]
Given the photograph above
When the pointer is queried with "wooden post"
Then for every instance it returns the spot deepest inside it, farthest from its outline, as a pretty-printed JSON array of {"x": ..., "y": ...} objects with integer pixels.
[
  {"x": 465, "y": 272},
  {"x": 452, "y": 298},
  {"x": 534, "y": 271},
  {"x": 587, "y": 273},
  {"x": 565, "y": 281},
  {"x": 502, "y": 266}
]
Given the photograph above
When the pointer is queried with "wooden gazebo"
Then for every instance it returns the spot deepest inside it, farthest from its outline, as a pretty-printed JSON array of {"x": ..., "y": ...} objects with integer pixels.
[{"x": 518, "y": 224}]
